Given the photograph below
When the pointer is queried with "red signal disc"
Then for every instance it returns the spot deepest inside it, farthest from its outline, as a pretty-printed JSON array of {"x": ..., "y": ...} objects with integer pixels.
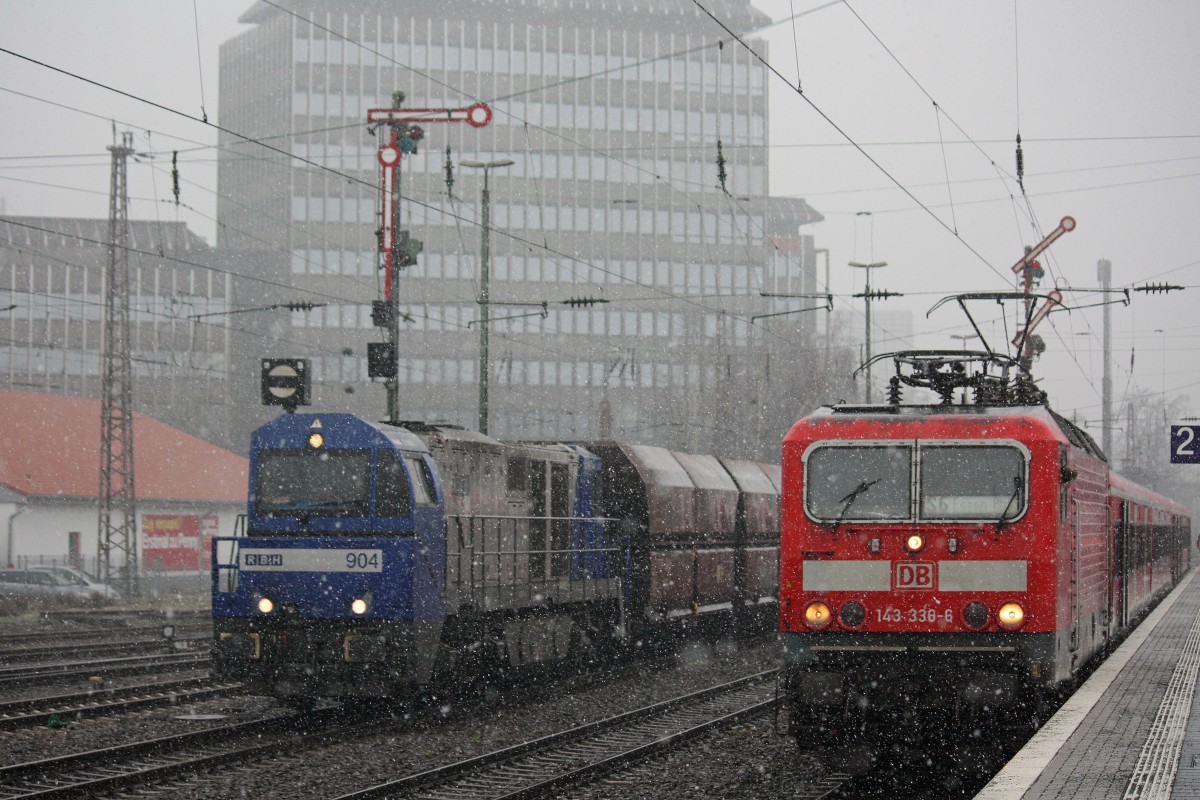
[
  {"x": 479, "y": 115},
  {"x": 388, "y": 156}
]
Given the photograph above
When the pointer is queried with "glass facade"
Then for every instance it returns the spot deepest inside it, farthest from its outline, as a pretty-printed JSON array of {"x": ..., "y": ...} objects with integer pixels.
[{"x": 612, "y": 113}]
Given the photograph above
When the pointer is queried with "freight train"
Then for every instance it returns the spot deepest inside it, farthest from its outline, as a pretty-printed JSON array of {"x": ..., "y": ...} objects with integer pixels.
[
  {"x": 384, "y": 560},
  {"x": 957, "y": 559}
]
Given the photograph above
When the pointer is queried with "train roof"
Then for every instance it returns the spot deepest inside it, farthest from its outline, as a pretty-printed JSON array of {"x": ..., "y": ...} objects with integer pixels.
[
  {"x": 458, "y": 438},
  {"x": 1042, "y": 414},
  {"x": 1128, "y": 490},
  {"x": 340, "y": 430},
  {"x": 434, "y": 434}
]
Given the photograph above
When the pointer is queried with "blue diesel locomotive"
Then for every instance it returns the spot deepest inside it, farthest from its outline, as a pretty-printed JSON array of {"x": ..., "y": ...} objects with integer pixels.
[{"x": 379, "y": 560}]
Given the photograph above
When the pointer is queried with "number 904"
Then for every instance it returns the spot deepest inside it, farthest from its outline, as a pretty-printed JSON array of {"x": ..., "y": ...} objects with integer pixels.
[{"x": 362, "y": 561}]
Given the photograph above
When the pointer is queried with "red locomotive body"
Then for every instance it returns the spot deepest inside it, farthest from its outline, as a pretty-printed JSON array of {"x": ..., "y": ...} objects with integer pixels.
[{"x": 963, "y": 558}]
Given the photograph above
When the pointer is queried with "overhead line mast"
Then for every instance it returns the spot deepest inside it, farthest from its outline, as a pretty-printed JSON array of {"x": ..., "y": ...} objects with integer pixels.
[{"x": 118, "y": 504}]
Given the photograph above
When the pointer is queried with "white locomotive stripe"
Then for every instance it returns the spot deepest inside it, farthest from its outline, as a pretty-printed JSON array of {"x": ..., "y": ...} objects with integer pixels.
[
  {"x": 847, "y": 576},
  {"x": 953, "y": 576},
  {"x": 983, "y": 576},
  {"x": 310, "y": 560}
]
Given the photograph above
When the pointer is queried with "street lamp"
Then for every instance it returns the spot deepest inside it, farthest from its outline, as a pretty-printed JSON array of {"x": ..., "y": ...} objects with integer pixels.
[
  {"x": 867, "y": 298},
  {"x": 964, "y": 338},
  {"x": 484, "y": 298}
]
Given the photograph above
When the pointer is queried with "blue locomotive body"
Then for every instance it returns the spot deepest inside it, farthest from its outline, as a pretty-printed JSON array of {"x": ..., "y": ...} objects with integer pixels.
[
  {"x": 361, "y": 573},
  {"x": 336, "y": 586}
]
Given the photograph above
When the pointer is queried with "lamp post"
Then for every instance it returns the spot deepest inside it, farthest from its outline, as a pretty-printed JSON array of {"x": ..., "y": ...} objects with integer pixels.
[
  {"x": 964, "y": 338},
  {"x": 867, "y": 299},
  {"x": 484, "y": 298}
]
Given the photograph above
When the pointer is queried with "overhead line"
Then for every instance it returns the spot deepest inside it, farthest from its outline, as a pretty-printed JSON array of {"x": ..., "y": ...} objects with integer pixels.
[{"x": 850, "y": 139}]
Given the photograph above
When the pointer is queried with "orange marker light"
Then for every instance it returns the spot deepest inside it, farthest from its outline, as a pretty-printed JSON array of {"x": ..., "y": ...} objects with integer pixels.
[
  {"x": 817, "y": 616},
  {"x": 1010, "y": 616}
]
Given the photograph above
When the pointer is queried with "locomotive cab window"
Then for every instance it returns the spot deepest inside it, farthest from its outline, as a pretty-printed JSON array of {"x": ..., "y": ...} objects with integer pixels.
[
  {"x": 971, "y": 482},
  {"x": 326, "y": 483},
  {"x": 421, "y": 482},
  {"x": 859, "y": 482},
  {"x": 392, "y": 498}
]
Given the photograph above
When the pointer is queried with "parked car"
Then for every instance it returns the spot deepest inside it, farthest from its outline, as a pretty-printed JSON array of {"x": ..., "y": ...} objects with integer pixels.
[
  {"x": 39, "y": 585},
  {"x": 74, "y": 576}
]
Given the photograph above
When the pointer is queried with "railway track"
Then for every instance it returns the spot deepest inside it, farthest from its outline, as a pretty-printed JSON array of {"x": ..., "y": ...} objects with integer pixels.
[
  {"x": 153, "y": 761},
  {"x": 586, "y": 753},
  {"x": 49, "y": 637},
  {"x": 39, "y": 711},
  {"x": 40, "y": 674},
  {"x": 30, "y": 655}
]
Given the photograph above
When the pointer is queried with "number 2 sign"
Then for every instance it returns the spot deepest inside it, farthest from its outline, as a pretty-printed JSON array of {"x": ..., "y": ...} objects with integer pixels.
[{"x": 1185, "y": 444}]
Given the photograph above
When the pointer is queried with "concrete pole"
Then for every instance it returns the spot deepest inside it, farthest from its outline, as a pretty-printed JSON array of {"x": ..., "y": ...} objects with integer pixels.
[
  {"x": 484, "y": 288},
  {"x": 1104, "y": 270},
  {"x": 867, "y": 298}
]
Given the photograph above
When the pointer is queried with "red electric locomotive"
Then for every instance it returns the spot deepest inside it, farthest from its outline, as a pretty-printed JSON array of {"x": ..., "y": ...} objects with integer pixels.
[{"x": 946, "y": 560}]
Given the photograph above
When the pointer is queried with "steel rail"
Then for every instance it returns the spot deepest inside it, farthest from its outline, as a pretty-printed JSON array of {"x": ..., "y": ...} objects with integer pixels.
[
  {"x": 28, "y": 675},
  {"x": 538, "y": 766},
  {"x": 142, "y": 763},
  {"x": 62, "y": 708}
]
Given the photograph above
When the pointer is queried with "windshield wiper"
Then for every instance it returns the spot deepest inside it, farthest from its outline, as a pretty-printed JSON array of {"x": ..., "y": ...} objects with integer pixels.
[
  {"x": 1016, "y": 493},
  {"x": 849, "y": 500}
]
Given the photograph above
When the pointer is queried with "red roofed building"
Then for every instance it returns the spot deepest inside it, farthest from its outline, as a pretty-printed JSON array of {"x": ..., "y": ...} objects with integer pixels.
[{"x": 186, "y": 488}]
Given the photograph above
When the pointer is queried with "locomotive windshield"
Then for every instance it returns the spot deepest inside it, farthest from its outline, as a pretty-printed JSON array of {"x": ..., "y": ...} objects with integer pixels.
[
  {"x": 860, "y": 482},
  {"x": 929, "y": 482},
  {"x": 984, "y": 483},
  {"x": 327, "y": 483}
]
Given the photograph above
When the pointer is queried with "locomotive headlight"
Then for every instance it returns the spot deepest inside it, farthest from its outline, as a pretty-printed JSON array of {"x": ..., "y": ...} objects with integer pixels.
[
  {"x": 852, "y": 614},
  {"x": 265, "y": 605},
  {"x": 817, "y": 616},
  {"x": 1010, "y": 616},
  {"x": 914, "y": 542},
  {"x": 360, "y": 605},
  {"x": 315, "y": 440},
  {"x": 975, "y": 615}
]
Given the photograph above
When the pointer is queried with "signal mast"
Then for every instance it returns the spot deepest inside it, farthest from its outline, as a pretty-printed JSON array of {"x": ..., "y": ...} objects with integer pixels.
[
  {"x": 1030, "y": 346},
  {"x": 401, "y": 250}
]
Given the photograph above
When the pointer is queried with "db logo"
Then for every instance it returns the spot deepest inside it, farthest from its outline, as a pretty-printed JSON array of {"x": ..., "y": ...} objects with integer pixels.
[{"x": 910, "y": 575}]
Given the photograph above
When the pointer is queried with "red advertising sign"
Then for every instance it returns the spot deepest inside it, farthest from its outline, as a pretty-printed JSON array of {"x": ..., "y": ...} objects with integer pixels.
[{"x": 175, "y": 542}]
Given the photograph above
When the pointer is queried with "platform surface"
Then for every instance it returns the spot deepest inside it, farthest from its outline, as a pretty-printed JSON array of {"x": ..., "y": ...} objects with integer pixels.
[{"x": 1133, "y": 729}]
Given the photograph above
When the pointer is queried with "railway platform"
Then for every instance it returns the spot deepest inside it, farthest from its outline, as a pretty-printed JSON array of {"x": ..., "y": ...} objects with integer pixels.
[{"x": 1133, "y": 729}]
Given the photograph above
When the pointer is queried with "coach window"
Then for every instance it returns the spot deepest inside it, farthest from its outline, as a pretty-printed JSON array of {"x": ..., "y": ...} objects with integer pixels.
[
  {"x": 972, "y": 482},
  {"x": 859, "y": 482},
  {"x": 391, "y": 487}
]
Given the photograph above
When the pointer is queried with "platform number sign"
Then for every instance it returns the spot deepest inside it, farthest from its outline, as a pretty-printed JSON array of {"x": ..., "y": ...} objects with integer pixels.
[{"x": 1185, "y": 444}]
